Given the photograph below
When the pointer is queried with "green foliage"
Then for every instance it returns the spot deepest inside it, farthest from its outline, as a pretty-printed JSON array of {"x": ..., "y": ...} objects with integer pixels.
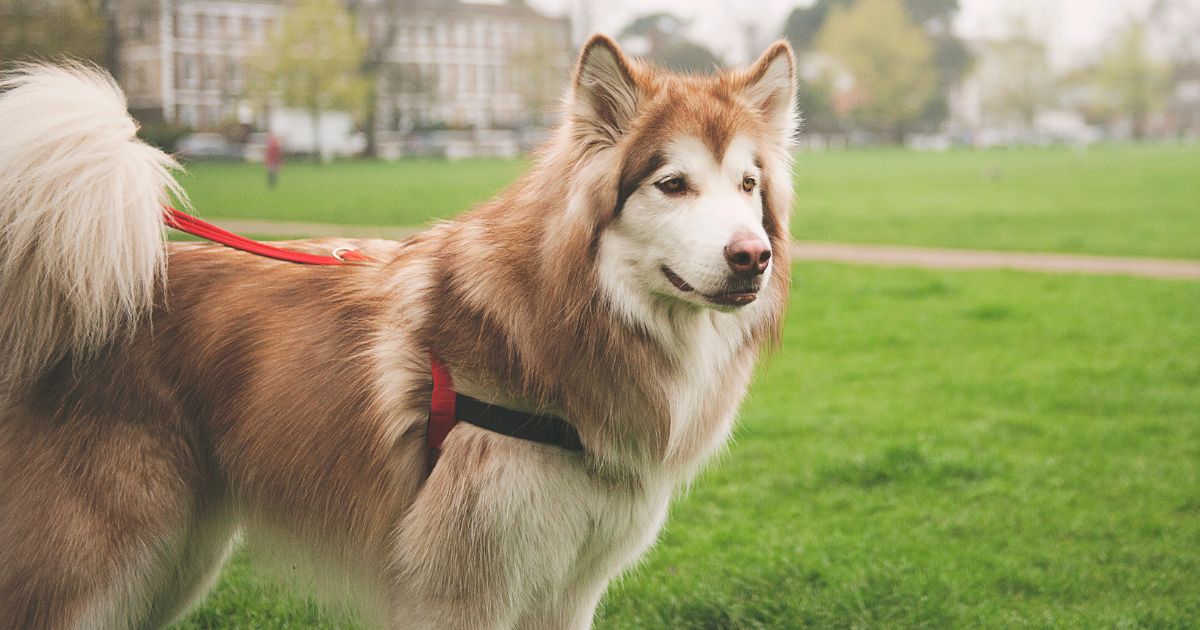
[
  {"x": 1135, "y": 83},
  {"x": 951, "y": 56},
  {"x": 36, "y": 29},
  {"x": 814, "y": 99},
  {"x": 805, "y": 23},
  {"x": 162, "y": 134},
  {"x": 312, "y": 61},
  {"x": 890, "y": 59},
  {"x": 1017, "y": 81},
  {"x": 923, "y": 11},
  {"x": 668, "y": 47}
]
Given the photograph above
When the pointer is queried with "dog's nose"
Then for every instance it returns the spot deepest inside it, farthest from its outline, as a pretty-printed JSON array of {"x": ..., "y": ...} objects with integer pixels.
[{"x": 747, "y": 254}]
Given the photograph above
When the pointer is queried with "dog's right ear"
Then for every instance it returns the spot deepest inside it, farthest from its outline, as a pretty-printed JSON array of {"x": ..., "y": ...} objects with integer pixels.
[{"x": 605, "y": 93}]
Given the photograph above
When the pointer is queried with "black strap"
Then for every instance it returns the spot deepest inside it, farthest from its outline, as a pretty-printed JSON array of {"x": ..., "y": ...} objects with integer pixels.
[{"x": 526, "y": 426}]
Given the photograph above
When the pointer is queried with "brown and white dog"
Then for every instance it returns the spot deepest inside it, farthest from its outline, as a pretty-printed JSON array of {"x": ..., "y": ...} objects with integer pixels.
[{"x": 157, "y": 400}]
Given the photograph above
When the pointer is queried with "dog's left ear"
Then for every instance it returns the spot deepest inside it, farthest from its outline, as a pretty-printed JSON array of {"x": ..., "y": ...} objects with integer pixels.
[
  {"x": 604, "y": 94},
  {"x": 769, "y": 85}
]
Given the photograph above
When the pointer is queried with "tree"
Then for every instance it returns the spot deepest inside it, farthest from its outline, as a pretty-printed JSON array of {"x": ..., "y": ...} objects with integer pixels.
[
  {"x": 951, "y": 57},
  {"x": 805, "y": 23},
  {"x": 814, "y": 99},
  {"x": 536, "y": 76},
  {"x": 386, "y": 80},
  {"x": 667, "y": 46},
  {"x": 312, "y": 62},
  {"x": 1136, "y": 83},
  {"x": 890, "y": 60},
  {"x": 1016, "y": 80},
  {"x": 41, "y": 29}
]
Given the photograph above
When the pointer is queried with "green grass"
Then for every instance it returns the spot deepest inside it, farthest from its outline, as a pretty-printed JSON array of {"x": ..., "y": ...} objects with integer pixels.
[
  {"x": 930, "y": 449},
  {"x": 1114, "y": 200},
  {"x": 410, "y": 192}
]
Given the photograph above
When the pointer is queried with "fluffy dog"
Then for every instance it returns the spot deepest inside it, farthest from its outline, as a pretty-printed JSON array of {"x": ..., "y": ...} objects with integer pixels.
[{"x": 157, "y": 400}]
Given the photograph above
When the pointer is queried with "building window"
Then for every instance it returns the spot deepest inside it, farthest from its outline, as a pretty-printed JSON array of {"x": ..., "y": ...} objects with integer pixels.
[
  {"x": 187, "y": 71},
  {"x": 187, "y": 25}
]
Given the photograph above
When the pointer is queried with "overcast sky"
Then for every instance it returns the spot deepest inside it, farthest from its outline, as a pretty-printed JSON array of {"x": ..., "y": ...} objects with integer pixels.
[{"x": 1073, "y": 28}]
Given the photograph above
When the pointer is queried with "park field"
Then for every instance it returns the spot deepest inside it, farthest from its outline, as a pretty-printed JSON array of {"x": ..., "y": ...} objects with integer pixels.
[
  {"x": 1114, "y": 200},
  {"x": 928, "y": 449}
]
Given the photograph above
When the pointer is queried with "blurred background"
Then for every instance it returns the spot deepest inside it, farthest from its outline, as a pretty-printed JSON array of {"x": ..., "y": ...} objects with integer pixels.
[
  {"x": 1013, "y": 442},
  {"x": 463, "y": 78}
]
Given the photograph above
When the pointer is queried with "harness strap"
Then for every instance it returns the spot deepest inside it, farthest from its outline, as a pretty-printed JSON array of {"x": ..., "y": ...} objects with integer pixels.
[{"x": 447, "y": 408}]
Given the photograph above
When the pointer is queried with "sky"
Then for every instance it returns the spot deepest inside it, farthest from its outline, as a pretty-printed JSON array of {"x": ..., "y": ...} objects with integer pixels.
[{"x": 1075, "y": 29}]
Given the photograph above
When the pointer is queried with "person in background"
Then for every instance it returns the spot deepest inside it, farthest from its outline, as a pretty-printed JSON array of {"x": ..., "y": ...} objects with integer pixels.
[{"x": 274, "y": 159}]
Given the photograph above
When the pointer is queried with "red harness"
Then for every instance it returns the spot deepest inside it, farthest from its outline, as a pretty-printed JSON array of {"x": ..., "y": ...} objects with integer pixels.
[
  {"x": 442, "y": 406},
  {"x": 446, "y": 407}
]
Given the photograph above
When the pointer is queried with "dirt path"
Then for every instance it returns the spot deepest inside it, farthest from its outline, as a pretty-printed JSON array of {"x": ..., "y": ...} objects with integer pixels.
[
  {"x": 896, "y": 256},
  {"x": 882, "y": 255}
]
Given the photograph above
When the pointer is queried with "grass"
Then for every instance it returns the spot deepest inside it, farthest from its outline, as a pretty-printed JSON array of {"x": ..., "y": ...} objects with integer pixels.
[
  {"x": 930, "y": 449},
  {"x": 1114, "y": 200},
  {"x": 410, "y": 192}
]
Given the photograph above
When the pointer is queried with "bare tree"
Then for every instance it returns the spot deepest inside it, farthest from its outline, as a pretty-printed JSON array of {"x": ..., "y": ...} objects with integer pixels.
[{"x": 1017, "y": 81}]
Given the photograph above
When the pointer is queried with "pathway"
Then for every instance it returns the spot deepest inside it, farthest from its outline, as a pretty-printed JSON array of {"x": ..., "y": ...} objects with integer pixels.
[{"x": 883, "y": 255}]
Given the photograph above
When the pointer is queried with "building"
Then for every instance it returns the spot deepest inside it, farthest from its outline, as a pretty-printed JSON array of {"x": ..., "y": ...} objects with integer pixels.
[
  {"x": 184, "y": 61},
  {"x": 478, "y": 65},
  {"x": 446, "y": 64}
]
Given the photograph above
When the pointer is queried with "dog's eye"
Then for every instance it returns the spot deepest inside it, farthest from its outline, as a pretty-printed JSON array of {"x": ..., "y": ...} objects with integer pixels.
[
  {"x": 748, "y": 183},
  {"x": 673, "y": 185}
]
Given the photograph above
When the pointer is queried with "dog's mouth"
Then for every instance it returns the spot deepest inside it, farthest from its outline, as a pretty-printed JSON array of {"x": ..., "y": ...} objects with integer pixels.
[{"x": 734, "y": 295}]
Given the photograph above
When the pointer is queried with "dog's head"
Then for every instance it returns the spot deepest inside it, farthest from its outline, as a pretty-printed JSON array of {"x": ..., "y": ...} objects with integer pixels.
[{"x": 687, "y": 177}]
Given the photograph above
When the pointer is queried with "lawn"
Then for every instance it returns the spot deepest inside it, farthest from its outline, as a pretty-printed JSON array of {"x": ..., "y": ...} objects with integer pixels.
[
  {"x": 1115, "y": 200},
  {"x": 930, "y": 449}
]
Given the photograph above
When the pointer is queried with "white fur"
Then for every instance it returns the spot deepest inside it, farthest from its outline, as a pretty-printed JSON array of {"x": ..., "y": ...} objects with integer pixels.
[
  {"x": 81, "y": 244},
  {"x": 686, "y": 233},
  {"x": 689, "y": 235}
]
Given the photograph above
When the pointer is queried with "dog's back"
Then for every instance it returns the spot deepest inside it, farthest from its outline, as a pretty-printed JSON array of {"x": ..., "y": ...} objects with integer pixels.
[{"x": 132, "y": 399}]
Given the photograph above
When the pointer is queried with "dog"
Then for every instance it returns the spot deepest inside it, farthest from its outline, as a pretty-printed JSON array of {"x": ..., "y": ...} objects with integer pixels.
[{"x": 160, "y": 400}]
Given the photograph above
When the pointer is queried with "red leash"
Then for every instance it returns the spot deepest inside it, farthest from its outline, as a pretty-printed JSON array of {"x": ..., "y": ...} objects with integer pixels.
[
  {"x": 446, "y": 407},
  {"x": 185, "y": 222}
]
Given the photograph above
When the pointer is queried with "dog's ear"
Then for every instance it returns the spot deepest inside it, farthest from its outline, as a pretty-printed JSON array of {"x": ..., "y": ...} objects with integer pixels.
[
  {"x": 769, "y": 85},
  {"x": 605, "y": 93}
]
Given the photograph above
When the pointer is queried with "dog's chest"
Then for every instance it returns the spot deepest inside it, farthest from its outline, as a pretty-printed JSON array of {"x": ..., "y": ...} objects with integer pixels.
[{"x": 703, "y": 393}]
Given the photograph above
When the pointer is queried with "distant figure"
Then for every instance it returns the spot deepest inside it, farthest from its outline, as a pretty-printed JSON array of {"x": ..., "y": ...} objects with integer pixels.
[{"x": 274, "y": 159}]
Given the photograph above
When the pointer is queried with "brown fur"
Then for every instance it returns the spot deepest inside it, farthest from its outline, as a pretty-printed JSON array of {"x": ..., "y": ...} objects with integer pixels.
[{"x": 261, "y": 389}]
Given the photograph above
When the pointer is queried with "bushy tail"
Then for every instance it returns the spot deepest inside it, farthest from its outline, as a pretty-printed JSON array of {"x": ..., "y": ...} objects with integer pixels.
[{"x": 81, "y": 232}]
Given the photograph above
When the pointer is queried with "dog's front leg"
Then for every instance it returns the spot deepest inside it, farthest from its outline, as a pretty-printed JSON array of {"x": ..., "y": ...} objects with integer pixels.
[
  {"x": 572, "y": 609},
  {"x": 493, "y": 536}
]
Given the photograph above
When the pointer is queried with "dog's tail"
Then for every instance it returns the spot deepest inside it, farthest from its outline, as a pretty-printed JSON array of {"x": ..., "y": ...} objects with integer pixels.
[{"x": 81, "y": 204}]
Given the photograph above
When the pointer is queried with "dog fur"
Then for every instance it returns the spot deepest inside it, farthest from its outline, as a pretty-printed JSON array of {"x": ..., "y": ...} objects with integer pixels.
[{"x": 157, "y": 400}]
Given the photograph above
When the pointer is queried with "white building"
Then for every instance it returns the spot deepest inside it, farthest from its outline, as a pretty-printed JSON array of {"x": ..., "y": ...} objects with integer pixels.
[{"x": 452, "y": 64}]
